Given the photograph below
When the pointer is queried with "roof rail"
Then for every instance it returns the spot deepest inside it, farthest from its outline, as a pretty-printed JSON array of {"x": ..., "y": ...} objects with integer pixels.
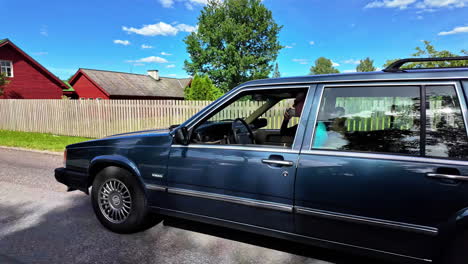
[{"x": 396, "y": 66}]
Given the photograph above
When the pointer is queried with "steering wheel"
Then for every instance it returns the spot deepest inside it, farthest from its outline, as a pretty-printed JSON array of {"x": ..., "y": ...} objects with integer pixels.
[{"x": 242, "y": 132}]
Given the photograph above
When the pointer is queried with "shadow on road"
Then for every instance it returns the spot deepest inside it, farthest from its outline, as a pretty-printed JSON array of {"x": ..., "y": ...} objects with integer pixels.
[
  {"x": 68, "y": 231},
  {"x": 294, "y": 248}
]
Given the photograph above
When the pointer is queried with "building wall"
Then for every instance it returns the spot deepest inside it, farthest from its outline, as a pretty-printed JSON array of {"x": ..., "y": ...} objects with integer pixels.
[
  {"x": 29, "y": 81},
  {"x": 86, "y": 89}
]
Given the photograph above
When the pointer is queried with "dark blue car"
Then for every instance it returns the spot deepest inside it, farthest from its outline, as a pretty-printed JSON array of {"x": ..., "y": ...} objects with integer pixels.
[{"x": 375, "y": 163}]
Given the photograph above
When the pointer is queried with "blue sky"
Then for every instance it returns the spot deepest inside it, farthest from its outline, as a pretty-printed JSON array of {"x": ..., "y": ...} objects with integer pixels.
[{"x": 137, "y": 35}]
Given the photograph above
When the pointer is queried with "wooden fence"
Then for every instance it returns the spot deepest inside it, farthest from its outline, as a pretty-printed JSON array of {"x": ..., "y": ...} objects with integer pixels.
[{"x": 99, "y": 118}]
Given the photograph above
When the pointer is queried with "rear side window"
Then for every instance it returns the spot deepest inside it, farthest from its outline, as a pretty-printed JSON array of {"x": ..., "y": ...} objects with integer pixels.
[
  {"x": 446, "y": 135},
  {"x": 370, "y": 119}
]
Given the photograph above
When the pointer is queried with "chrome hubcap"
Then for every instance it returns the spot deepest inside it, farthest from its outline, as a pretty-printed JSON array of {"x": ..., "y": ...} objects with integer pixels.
[{"x": 115, "y": 201}]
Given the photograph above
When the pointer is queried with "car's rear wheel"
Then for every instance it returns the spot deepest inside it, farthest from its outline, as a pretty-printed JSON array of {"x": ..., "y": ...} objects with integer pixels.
[{"x": 119, "y": 201}]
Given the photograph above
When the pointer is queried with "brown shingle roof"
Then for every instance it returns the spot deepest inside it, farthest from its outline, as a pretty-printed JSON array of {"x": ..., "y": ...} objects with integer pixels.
[{"x": 129, "y": 84}]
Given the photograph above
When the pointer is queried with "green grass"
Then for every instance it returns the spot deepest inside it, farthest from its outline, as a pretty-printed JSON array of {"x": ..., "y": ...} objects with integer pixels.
[{"x": 39, "y": 141}]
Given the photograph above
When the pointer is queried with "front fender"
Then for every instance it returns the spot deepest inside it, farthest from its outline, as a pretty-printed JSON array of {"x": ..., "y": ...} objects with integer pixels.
[{"x": 103, "y": 161}]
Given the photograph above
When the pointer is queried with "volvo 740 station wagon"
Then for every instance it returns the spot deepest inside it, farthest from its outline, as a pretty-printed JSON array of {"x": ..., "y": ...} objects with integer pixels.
[{"x": 375, "y": 163}]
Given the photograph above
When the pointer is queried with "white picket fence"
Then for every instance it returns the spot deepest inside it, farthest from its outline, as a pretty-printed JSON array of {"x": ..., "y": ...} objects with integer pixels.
[{"x": 99, "y": 118}]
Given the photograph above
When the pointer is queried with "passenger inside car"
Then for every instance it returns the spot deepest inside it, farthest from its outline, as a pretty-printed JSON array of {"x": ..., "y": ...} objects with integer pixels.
[{"x": 296, "y": 111}]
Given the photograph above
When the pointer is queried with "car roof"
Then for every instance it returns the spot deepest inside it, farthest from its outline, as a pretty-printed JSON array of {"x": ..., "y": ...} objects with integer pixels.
[{"x": 378, "y": 76}]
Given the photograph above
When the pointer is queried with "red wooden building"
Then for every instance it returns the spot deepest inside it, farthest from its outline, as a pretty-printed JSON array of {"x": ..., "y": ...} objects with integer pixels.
[
  {"x": 28, "y": 78},
  {"x": 99, "y": 84}
]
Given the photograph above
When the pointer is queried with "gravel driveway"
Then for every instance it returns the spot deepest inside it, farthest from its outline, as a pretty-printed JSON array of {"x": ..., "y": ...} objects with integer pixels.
[{"x": 41, "y": 223}]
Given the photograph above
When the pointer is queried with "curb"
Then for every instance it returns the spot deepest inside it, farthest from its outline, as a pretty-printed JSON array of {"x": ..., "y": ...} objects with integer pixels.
[{"x": 33, "y": 150}]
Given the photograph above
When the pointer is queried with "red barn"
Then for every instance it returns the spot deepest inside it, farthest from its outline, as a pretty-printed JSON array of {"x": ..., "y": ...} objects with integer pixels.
[
  {"x": 99, "y": 84},
  {"x": 28, "y": 78}
]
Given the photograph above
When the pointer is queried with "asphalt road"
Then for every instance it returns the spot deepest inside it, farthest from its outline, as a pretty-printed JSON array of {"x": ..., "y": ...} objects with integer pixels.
[{"x": 41, "y": 223}]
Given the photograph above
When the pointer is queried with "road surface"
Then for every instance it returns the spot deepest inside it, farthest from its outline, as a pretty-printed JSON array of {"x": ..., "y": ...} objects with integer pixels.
[{"x": 41, "y": 223}]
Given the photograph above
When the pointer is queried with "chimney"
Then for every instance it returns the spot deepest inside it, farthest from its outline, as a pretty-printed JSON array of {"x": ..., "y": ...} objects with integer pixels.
[{"x": 154, "y": 74}]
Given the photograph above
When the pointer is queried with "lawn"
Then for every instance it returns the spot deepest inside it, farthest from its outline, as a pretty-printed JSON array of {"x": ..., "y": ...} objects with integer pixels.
[{"x": 38, "y": 141}]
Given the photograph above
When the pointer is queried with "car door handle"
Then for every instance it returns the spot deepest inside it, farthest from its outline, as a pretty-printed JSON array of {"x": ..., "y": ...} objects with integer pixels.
[
  {"x": 447, "y": 176},
  {"x": 278, "y": 162}
]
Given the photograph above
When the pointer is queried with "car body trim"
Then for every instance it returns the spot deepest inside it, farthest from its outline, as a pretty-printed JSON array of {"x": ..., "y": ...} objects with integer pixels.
[
  {"x": 395, "y": 157},
  {"x": 232, "y": 199},
  {"x": 263, "y": 149},
  {"x": 155, "y": 187},
  {"x": 369, "y": 221},
  {"x": 219, "y": 220}
]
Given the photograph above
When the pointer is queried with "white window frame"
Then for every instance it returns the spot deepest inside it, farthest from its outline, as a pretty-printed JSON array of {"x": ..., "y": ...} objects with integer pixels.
[{"x": 11, "y": 68}]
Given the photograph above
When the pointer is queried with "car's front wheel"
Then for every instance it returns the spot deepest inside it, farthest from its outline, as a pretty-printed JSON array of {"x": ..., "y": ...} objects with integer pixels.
[{"x": 119, "y": 201}]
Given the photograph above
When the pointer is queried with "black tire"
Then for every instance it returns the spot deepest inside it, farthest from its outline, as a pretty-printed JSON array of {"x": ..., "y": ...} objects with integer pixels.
[
  {"x": 457, "y": 251},
  {"x": 130, "y": 213}
]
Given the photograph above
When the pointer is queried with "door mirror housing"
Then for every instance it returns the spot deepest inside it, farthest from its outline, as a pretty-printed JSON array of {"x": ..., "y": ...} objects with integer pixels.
[{"x": 182, "y": 136}]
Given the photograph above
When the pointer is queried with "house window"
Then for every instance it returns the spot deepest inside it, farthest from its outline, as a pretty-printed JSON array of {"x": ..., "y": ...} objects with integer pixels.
[{"x": 6, "y": 67}]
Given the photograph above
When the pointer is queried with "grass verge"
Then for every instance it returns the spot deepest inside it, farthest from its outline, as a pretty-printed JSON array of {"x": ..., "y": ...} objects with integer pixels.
[{"x": 39, "y": 141}]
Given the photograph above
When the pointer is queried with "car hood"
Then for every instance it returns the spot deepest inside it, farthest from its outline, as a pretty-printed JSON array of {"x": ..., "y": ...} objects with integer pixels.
[{"x": 129, "y": 139}]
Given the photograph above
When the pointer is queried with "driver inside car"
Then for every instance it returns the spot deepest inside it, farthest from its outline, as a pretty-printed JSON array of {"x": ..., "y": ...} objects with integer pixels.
[{"x": 296, "y": 111}]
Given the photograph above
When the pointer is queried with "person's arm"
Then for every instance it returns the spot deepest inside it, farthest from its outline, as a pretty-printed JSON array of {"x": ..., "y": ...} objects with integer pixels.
[{"x": 284, "y": 127}]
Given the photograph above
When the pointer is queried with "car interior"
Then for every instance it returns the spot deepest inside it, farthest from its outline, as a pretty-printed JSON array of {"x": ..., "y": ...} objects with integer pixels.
[{"x": 260, "y": 126}]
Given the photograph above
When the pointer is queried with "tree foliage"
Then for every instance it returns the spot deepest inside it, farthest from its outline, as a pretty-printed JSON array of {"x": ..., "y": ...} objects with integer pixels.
[
  {"x": 429, "y": 51},
  {"x": 323, "y": 66},
  {"x": 276, "y": 72},
  {"x": 236, "y": 41},
  {"x": 3, "y": 82},
  {"x": 366, "y": 65},
  {"x": 202, "y": 88}
]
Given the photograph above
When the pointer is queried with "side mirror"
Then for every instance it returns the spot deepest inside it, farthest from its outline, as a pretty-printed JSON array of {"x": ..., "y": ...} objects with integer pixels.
[{"x": 181, "y": 136}]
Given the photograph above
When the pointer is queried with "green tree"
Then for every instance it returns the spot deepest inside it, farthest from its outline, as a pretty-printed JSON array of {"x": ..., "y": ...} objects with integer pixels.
[
  {"x": 276, "y": 73},
  {"x": 202, "y": 88},
  {"x": 429, "y": 51},
  {"x": 236, "y": 41},
  {"x": 366, "y": 65},
  {"x": 323, "y": 66},
  {"x": 3, "y": 82}
]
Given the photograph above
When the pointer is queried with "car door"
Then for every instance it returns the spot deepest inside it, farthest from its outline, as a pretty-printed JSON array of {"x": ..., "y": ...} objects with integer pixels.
[
  {"x": 376, "y": 173},
  {"x": 246, "y": 184}
]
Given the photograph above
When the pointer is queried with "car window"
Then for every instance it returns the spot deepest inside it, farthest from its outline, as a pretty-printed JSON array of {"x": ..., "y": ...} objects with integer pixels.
[
  {"x": 262, "y": 119},
  {"x": 369, "y": 119},
  {"x": 445, "y": 129}
]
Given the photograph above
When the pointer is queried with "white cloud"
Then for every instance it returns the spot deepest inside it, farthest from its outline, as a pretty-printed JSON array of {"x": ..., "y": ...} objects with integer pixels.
[
  {"x": 186, "y": 28},
  {"x": 301, "y": 61},
  {"x": 402, "y": 4},
  {"x": 426, "y": 5},
  {"x": 150, "y": 59},
  {"x": 352, "y": 61},
  {"x": 138, "y": 64},
  {"x": 122, "y": 42},
  {"x": 312, "y": 42},
  {"x": 172, "y": 75},
  {"x": 43, "y": 31},
  {"x": 288, "y": 47},
  {"x": 334, "y": 64},
  {"x": 167, "y": 3},
  {"x": 40, "y": 53},
  {"x": 161, "y": 28},
  {"x": 170, "y": 66},
  {"x": 166, "y": 54},
  {"x": 144, "y": 46},
  {"x": 188, "y": 3},
  {"x": 189, "y": 6},
  {"x": 457, "y": 30},
  {"x": 349, "y": 71},
  {"x": 442, "y": 3}
]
